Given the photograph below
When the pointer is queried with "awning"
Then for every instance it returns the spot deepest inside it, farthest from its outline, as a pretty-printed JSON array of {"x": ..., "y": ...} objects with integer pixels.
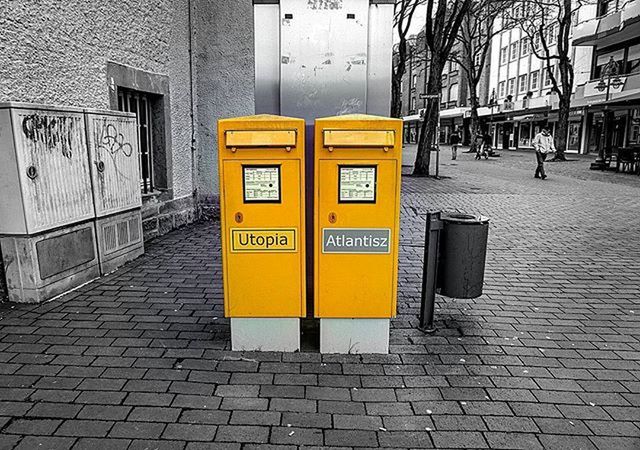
[
  {"x": 453, "y": 112},
  {"x": 525, "y": 118},
  {"x": 632, "y": 96}
]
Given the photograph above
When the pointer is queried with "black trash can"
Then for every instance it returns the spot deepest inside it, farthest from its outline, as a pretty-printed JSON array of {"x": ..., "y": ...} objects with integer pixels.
[{"x": 463, "y": 251}]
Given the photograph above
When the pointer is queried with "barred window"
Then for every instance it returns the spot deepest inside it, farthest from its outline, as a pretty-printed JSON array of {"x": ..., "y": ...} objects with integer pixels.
[{"x": 140, "y": 104}]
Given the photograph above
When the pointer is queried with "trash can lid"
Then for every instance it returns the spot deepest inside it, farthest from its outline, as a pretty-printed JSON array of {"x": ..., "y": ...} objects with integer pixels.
[{"x": 457, "y": 217}]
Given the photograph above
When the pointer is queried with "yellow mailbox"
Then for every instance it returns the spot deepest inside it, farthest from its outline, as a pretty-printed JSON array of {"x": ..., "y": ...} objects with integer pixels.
[
  {"x": 357, "y": 211},
  {"x": 261, "y": 164}
]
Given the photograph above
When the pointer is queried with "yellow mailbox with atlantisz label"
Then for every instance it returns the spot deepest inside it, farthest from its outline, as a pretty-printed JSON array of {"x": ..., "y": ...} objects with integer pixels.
[
  {"x": 261, "y": 164},
  {"x": 357, "y": 215}
]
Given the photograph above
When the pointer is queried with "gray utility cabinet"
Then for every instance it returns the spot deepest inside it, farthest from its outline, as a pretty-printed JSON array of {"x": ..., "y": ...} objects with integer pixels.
[
  {"x": 114, "y": 156},
  {"x": 56, "y": 197}
]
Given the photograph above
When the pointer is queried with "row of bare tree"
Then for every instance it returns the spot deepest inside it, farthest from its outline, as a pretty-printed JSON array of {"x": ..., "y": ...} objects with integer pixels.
[{"x": 462, "y": 31}]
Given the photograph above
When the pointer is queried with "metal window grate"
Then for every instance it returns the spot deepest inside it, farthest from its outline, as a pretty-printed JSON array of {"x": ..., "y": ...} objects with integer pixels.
[
  {"x": 140, "y": 104},
  {"x": 110, "y": 241},
  {"x": 123, "y": 233},
  {"x": 134, "y": 230}
]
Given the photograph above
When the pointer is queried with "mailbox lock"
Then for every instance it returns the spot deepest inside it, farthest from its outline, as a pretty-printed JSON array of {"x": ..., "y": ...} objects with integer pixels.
[
  {"x": 330, "y": 149},
  {"x": 288, "y": 148},
  {"x": 239, "y": 217},
  {"x": 100, "y": 166},
  {"x": 333, "y": 217},
  {"x": 32, "y": 172},
  {"x": 233, "y": 149},
  {"x": 386, "y": 149}
]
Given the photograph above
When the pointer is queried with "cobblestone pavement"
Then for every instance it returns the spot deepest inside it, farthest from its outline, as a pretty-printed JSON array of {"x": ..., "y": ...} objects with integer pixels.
[{"x": 548, "y": 357}]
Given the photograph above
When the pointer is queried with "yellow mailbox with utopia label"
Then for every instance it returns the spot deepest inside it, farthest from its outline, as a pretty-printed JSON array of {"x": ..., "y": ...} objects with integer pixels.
[
  {"x": 357, "y": 214},
  {"x": 261, "y": 163}
]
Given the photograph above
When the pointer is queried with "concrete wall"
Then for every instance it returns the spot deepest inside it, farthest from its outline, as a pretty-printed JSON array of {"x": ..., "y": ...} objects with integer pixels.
[
  {"x": 57, "y": 53},
  {"x": 225, "y": 78},
  {"x": 64, "y": 53}
]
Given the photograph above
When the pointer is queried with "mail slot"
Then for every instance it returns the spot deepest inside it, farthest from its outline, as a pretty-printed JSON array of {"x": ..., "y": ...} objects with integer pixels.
[
  {"x": 261, "y": 163},
  {"x": 357, "y": 210}
]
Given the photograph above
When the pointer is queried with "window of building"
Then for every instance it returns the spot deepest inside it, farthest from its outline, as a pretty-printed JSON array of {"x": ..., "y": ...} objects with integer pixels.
[
  {"x": 140, "y": 104},
  {"x": 413, "y": 103},
  {"x": 501, "y": 91},
  {"x": 453, "y": 94},
  {"x": 516, "y": 12},
  {"x": 552, "y": 34},
  {"x": 547, "y": 75},
  {"x": 477, "y": 59},
  {"x": 634, "y": 128},
  {"x": 606, "y": 6},
  {"x": 633, "y": 59},
  {"x": 513, "y": 51},
  {"x": 533, "y": 81},
  {"x": 536, "y": 41},
  {"x": 401, "y": 86},
  {"x": 413, "y": 133},
  {"x": 147, "y": 95},
  {"x": 524, "y": 47},
  {"x": 414, "y": 80},
  {"x": 525, "y": 134},
  {"x": 511, "y": 87},
  {"x": 522, "y": 83},
  {"x": 575, "y": 18},
  {"x": 604, "y": 58},
  {"x": 503, "y": 55}
]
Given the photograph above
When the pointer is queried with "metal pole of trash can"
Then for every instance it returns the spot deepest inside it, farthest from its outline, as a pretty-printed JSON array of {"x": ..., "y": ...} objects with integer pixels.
[{"x": 430, "y": 271}]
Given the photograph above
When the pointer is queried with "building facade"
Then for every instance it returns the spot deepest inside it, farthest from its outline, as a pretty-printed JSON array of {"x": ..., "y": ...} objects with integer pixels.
[
  {"x": 520, "y": 87},
  {"x": 612, "y": 94},
  {"x": 179, "y": 65},
  {"x": 454, "y": 99}
]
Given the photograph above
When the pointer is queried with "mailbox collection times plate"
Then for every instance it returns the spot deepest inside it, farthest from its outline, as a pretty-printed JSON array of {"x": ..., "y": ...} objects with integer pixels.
[
  {"x": 357, "y": 184},
  {"x": 261, "y": 184}
]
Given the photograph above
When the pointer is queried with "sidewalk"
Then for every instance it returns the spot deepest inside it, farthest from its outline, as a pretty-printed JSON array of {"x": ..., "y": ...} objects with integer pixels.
[
  {"x": 576, "y": 166},
  {"x": 548, "y": 357}
]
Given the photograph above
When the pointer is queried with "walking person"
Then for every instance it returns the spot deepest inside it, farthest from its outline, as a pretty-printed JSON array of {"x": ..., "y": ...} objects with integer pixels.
[
  {"x": 484, "y": 147},
  {"x": 543, "y": 145},
  {"x": 454, "y": 140}
]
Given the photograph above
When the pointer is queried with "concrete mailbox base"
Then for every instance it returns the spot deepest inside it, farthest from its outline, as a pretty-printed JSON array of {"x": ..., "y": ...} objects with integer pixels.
[
  {"x": 266, "y": 335},
  {"x": 354, "y": 335}
]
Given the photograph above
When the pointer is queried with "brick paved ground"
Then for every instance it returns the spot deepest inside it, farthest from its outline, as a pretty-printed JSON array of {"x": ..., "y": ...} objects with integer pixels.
[{"x": 548, "y": 357}]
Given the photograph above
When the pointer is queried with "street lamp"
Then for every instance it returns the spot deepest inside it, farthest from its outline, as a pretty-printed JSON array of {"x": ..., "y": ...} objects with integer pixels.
[
  {"x": 492, "y": 103},
  {"x": 609, "y": 71}
]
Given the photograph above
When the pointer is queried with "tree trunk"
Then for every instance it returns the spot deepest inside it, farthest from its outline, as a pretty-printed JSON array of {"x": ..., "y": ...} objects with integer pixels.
[
  {"x": 396, "y": 80},
  {"x": 428, "y": 138},
  {"x": 563, "y": 128},
  {"x": 475, "y": 120},
  {"x": 396, "y": 96}
]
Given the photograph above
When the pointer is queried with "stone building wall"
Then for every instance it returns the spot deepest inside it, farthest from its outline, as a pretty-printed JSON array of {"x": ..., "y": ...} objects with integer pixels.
[
  {"x": 61, "y": 53},
  {"x": 198, "y": 54},
  {"x": 224, "y": 61}
]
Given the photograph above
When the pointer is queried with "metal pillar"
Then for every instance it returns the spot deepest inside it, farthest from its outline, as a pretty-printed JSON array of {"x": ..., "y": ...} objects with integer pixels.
[{"x": 430, "y": 270}]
